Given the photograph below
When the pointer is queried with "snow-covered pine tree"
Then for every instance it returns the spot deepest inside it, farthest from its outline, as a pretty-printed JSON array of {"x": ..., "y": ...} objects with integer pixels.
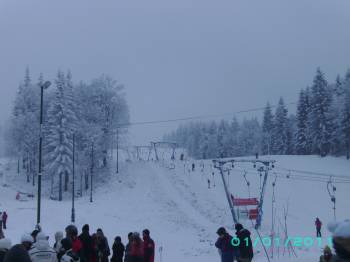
[
  {"x": 249, "y": 137},
  {"x": 61, "y": 123},
  {"x": 346, "y": 117},
  {"x": 231, "y": 139},
  {"x": 267, "y": 130},
  {"x": 301, "y": 143},
  {"x": 279, "y": 142},
  {"x": 23, "y": 134},
  {"x": 321, "y": 122},
  {"x": 291, "y": 134},
  {"x": 222, "y": 133}
]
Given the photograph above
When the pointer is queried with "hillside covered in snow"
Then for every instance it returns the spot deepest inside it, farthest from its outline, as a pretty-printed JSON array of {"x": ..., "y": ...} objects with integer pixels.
[{"x": 180, "y": 210}]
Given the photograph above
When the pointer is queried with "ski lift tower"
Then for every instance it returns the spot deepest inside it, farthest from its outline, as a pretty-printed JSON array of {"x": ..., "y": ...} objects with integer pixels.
[
  {"x": 172, "y": 145},
  {"x": 266, "y": 164}
]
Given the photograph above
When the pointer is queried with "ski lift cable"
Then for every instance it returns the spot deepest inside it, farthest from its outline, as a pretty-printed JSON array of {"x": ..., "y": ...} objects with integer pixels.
[
  {"x": 300, "y": 177},
  {"x": 303, "y": 177},
  {"x": 198, "y": 117},
  {"x": 313, "y": 173}
]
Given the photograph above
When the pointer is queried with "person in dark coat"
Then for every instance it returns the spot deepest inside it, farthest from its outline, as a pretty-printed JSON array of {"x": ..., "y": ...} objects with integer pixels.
[
  {"x": 5, "y": 246},
  {"x": 341, "y": 240},
  {"x": 318, "y": 225},
  {"x": 18, "y": 253},
  {"x": 148, "y": 246},
  {"x": 86, "y": 252},
  {"x": 118, "y": 250},
  {"x": 127, "y": 248},
  {"x": 68, "y": 254},
  {"x": 245, "y": 243},
  {"x": 4, "y": 219},
  {"x": 227, "y": 251},
  {"x": 102, "y": 246}
]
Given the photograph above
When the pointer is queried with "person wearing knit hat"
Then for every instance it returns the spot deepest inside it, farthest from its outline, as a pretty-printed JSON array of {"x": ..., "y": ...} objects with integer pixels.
[
  {"x": 327, "y": 255},
  {"x": 341, "y": 240},
  {"x": 27, "y": 241},
  {"x": 42, "y": 252},
  {"x": 227, "y": 251},
  {"x": 58, "y": 237},
  {"x": 5, "y": 245}
]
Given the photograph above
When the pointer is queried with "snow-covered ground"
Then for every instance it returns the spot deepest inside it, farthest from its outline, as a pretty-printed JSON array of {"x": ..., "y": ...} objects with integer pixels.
[{"x": 179, "y": 209}]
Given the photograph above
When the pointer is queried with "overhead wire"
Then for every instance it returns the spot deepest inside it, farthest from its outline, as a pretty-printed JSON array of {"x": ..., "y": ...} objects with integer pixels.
[{"x": 150, "y": 122}]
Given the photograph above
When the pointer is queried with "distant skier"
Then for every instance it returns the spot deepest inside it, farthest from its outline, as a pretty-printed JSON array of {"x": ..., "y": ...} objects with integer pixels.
[
  {"x": 4, "y": 219},
  {"x": 318, "y": 225},
  {"x": 227, "y": 251},
  {"x": 245, "y": 243},
  {"x": 208, "y": 183},
  {"x": 193, "y": 167}
]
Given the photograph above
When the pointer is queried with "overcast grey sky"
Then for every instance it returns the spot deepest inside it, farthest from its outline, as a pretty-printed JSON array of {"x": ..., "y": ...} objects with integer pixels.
[{"x": 177, "y": 58}]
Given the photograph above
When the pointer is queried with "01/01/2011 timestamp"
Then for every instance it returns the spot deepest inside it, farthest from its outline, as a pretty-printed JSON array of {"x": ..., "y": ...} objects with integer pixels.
[{"x": 277, "y": 241}]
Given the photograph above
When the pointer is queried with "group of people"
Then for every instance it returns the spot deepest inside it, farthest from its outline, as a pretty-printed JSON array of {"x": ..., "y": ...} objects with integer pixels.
[
  {"x": 230, "y": 250},
  {"x": 240, "y": 248},
  {"x": 73, "y": 247}
]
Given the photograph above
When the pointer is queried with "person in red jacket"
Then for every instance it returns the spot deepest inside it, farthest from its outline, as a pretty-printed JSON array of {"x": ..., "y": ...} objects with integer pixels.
[
  {"x": 318, "y": 225},
  {"x": 72, "y": 235},
  {"x": 136, "y": 249},
  {"x": 148, "y": 246}
]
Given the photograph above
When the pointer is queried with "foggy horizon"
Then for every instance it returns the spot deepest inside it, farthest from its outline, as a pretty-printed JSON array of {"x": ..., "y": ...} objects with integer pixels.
[{"x": 178, "y": 59}]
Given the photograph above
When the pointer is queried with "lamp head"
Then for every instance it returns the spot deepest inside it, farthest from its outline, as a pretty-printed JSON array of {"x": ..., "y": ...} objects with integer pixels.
[{"x": 46, "y": 84}]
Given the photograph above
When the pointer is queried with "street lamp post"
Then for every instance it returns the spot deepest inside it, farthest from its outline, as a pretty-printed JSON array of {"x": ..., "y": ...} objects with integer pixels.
[
  {"x": 117, "y": 150},
  {"x": 73, "y": 185},
  {"x": 91, "y": 170},
  {"x": 42, "y": 87}
]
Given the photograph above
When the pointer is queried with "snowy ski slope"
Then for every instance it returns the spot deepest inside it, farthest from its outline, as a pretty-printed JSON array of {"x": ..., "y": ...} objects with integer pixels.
[{"x": 179, "y": 209}]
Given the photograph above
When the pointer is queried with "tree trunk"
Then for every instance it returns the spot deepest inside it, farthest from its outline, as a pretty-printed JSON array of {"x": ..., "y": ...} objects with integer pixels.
[
  {"x": 28, "y": 170},
  {"x": 81, "y": 184},
  {"x": 66, "y": 181},
  {"x": 34, "y": 169},
  {"x": 86, "y": 180},
  {"x": 60, "y": 188}
]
